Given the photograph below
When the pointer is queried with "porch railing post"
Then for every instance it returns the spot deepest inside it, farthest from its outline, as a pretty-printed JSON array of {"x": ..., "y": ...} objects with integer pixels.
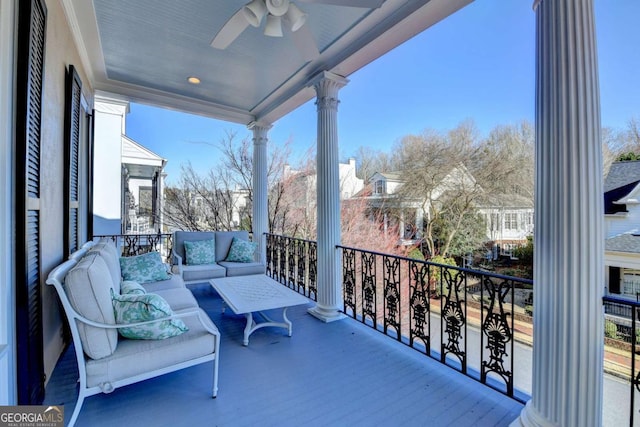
[{"x": 329, "y": 301}]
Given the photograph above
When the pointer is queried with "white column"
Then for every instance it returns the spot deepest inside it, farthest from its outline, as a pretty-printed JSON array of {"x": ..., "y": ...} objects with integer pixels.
[
  {"x": 260, "y": 223},
  {"x": 329, "y": 301},
  {"x": 569, "y": 238},
  {"x": 401, "y": 225}
]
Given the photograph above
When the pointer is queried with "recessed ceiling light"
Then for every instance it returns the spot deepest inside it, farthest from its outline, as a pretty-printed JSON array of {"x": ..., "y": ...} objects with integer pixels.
[{"x": 193, "y": 80}]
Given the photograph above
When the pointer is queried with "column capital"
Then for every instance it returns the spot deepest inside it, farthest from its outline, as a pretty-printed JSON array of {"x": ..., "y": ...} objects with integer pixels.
[
  {"x": 536, "y": 3},
  {"x": 327, "y": 85},
  {"x": 259, "y": 126},
  {"x": 260, "y": 130}
]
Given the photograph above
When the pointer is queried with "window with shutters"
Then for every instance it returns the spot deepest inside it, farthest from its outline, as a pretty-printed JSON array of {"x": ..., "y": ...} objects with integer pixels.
[
  {"x": 29, "y": 89},
  {"x": 73, "y": 111}
]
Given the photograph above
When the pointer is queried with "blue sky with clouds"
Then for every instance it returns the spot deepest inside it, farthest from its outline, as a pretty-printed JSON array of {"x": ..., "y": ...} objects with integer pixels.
[{"x": 477, "y": 64}]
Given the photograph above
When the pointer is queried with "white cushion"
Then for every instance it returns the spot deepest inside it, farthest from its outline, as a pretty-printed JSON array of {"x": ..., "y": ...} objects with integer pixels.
[
  {"x": 202, "y": 272},
  {"x": 134, "y": 357},
  {"x": 173, "y": 282},
  {"x": 89, "y": 286},
  {"x": 107, "y": 250},
  {"x": 179, "y": 299}
]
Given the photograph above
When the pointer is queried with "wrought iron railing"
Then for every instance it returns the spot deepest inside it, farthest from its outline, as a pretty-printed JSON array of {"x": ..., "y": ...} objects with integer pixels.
[
  {"x": 460, "y": 317},
  {"x": 137, "y": 244},
  {"x": 622, "y": 337},
  {"x": 293, "y": 263}
]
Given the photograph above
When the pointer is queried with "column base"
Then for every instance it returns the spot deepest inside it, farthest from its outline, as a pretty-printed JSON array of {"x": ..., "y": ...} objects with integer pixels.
[
  {"x": 326, "y": 315},
  {"x": 530, "y": 417}
]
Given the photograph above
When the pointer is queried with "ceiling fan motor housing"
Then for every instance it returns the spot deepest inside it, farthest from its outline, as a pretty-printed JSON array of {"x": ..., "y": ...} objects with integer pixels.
[{"x": 277, "y": 7}]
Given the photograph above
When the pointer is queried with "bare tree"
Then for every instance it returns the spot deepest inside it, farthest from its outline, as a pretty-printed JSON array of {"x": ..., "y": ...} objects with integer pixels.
[
  {"x": 222, "y": 198},
  {"x": 362, "y": 229},
  {"x": 434, "y": 174},
  {"x": 504, "y": 162},
  {"x": 372, "y": 161}
]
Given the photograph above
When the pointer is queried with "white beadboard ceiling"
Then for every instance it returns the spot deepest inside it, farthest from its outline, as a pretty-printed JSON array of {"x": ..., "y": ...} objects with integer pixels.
[{"x": 144, "y": 51}]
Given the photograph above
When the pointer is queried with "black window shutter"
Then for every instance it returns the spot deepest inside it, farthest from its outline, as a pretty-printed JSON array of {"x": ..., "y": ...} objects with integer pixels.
[
  {"x": 30, "y": 79},
  {"x": 73, "y": 110}
]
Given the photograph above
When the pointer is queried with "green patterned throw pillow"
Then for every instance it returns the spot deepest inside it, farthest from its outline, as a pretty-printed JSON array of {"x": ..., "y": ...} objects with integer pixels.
[
  {"x": 143, "y": 268},
  {"x": 200, "y": 252},
  {"x": 241, "y": 251},
  {"x": 129, "y": 287},
  {"x": 141, "y": 308}
]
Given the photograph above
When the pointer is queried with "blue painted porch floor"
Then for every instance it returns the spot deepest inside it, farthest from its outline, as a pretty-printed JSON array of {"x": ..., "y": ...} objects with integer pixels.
[{"x": 337, "y": 374}]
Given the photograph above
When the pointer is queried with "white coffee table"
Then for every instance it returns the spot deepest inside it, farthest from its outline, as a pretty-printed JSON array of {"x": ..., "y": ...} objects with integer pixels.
[{"x": 255, "y": 294}]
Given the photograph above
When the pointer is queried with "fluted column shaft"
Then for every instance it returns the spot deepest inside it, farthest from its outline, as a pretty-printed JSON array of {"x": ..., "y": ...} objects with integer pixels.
[
  {"x": 569, "y": 237},
  {"x": 329, "y": 301},
  {"x": 260, "y": 209}
]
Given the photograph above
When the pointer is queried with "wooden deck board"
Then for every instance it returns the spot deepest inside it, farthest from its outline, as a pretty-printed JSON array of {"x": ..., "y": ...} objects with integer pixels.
[{"x": 336, "y": 374}]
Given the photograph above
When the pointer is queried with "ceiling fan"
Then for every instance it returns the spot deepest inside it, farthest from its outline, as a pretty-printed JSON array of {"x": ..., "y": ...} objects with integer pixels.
[{"x": 278, "y": 12}]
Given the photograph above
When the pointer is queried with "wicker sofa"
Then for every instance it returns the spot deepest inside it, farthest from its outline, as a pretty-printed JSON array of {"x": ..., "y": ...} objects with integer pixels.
[
  {"x": 219, "y": 266},
  {"x": 88, "y": 284}
]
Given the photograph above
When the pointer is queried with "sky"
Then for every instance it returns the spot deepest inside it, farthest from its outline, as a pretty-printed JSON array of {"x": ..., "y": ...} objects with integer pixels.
[{"x": 477, "y": 64}]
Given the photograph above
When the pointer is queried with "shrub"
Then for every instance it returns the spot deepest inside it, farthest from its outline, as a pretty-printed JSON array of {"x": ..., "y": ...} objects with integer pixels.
[
  {"x": 525, "y": 253},
  {"x": 528, "y": 309},
  {"x": 610, "y": 329},
  {"x": 416, "y": 253},
  {"x": 435, "y": 273}
]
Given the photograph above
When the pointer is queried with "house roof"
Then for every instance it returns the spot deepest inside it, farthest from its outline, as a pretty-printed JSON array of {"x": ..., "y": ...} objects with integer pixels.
[
  {"x": 622, "y": 180},
  {"x": 622, "y": 174},
  {"x": 627, "y": 242},
  {"x": 140, "y": 161},
  {"x": 505, "y": 201},
  {"x": 389, "y": 176}
]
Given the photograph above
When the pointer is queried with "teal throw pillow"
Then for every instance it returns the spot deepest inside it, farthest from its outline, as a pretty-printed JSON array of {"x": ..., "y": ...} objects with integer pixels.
[
  {"x": 141, "y": 308},
  {"x": 129, "y": 287},
  {"x": 241, "y": 251},
  {"x": 143, "y": 268},
  {"x": 200, "y": 252}
]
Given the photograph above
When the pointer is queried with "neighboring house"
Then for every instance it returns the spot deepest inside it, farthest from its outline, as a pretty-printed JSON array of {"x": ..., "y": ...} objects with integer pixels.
[
  {"x": 509, "y": 221},
  {"x": 407, "y": 215},
  {"x": 135, "y": 206},
  {"x": 231, "y": 208},
  {"x": 143, "y": 179},
  {"x": 622, "y": 228},
  {"x": 304, "y": 183},
  {"x": 509, "y": 218}
]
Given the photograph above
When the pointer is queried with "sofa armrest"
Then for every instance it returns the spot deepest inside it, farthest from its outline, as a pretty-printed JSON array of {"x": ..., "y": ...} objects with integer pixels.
[
  {"x": 176, "y": 260},
  {"x": 194, "y": 312}
]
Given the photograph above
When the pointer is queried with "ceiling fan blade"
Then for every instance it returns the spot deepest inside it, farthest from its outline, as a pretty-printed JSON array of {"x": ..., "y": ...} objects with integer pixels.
[
  {"x": 305, "y": 43},
  {"x": 230, "y": 31},
  {"x": 368, "y": 4}
]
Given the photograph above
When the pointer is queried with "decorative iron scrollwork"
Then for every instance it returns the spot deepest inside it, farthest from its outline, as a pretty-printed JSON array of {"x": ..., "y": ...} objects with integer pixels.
[
  {"x": 497, "y": 330},
  {"x": 349, "y": 280},
  {"x": 453, "y": 316},
  {"x": 302, "y": 263},
  {"x": 269, "y": 254},
  {"x": 282, "y": 269},
  {"x": 419, "y": 304},
  {"x": 291, "y": 263},
  {"x": 392, "y": 294},
  {"x": 313, "y": 270},
  {"x": 368, "y": 286}
]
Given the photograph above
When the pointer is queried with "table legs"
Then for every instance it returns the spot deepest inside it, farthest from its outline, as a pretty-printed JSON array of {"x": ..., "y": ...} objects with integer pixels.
[{"x": 252, "y": 326}]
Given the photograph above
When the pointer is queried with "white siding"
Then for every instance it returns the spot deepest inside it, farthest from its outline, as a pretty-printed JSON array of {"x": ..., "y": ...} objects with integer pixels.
[
  {"x": 107, "y": 197},
  {"x": 619, "y": 224}
]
